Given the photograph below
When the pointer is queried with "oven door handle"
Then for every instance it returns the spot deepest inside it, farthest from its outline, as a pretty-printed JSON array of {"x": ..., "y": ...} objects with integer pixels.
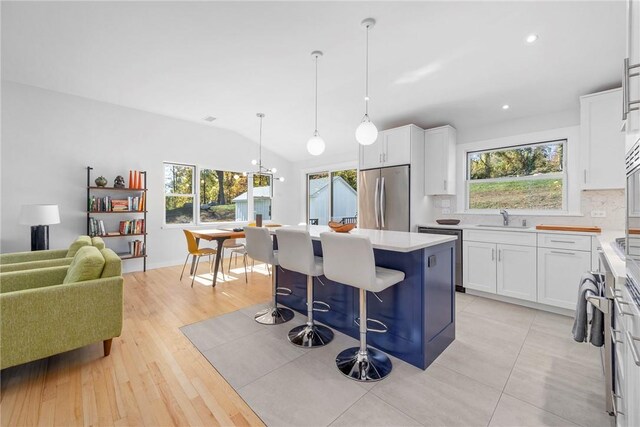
[{"x": 601, "y": 303}]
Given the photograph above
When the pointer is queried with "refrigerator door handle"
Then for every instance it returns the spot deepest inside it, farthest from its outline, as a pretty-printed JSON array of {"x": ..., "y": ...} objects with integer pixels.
[
  {"x": 376, "y": 202},
  {"x": 382, "y": 202}
]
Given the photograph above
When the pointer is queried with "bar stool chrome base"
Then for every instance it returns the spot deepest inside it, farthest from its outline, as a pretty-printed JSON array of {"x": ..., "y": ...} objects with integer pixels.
[
  {"x": 310, "y": 336},
  {"x": 373, "y": 365},
  {"x": 274, "y": 316}
]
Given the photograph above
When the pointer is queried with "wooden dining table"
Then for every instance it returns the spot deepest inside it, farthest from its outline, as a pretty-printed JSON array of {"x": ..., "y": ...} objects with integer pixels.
[{"x": 219, "y": 235}]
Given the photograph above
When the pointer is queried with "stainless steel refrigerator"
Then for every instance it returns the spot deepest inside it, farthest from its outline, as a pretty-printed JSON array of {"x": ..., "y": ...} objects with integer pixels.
[{"x": 383, "y": 198}]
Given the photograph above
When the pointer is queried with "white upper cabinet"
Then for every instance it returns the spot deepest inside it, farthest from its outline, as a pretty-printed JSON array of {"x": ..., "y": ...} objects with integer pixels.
[
  {"x": 397, "y": 146},
  {"x": 392, "y": 148},
  {"x": 601, "y": 141},
  {"x": 440, "y": 161}
]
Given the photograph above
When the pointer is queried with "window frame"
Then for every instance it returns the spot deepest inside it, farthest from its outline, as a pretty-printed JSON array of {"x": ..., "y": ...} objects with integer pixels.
[
  {"x": 252, "y": 175},
  {"x": 193, "y": 195},
  {"x": 564, "y": 175},
  {"x": 200, "y": 222},
  {"x": 330, "y": 172}
]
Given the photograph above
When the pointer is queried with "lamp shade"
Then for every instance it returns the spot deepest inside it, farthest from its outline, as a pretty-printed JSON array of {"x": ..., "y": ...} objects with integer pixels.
[
  {"x": 366, "y": 133},
  {"x": 315, "y": 145},
  {"x": 39, "y": 215}
]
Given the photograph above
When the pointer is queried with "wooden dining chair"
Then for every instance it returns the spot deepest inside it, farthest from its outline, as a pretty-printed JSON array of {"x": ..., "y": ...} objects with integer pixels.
[{"x": 197, "y": 253}]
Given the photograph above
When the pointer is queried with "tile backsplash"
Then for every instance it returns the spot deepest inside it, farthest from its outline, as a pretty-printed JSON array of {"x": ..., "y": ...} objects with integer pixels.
[{"x": 609, "y": 202}]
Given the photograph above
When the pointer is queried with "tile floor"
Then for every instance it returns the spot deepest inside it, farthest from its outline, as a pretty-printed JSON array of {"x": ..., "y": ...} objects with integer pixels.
[{"x": 508, "y": 366}]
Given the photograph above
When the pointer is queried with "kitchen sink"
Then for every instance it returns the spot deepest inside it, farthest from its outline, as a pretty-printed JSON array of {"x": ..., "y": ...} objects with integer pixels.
[{"x": 517, "y": 227}]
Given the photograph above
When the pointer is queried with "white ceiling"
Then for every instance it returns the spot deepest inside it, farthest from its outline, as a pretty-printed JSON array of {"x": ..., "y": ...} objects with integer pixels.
[{"x": 431, "y": 62}]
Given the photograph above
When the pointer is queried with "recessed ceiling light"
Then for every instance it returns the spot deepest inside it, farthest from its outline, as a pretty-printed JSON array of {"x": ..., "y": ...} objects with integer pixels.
[
  {"x": 531, "y": 38},
  {"x": 209, "y": 119},
  {"x": 506, "y": 107}
]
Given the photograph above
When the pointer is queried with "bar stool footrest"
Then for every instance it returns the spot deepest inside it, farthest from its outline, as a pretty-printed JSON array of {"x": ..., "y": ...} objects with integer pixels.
[
  {"x": 321, "y": 310},
  {"x": 283, "y": 292},
  {"x": 378, "y": 331}
]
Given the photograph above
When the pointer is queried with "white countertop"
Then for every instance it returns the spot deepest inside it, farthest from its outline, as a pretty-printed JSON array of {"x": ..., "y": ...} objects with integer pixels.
[
  {"x": 397, "y": 241},
  {"x": 615, "y": 261},
  {"x": 531, "y": 229}
]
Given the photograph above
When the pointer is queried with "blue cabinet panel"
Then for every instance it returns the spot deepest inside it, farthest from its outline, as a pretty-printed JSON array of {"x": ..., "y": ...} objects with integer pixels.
[{"x": 419, "y": 311}]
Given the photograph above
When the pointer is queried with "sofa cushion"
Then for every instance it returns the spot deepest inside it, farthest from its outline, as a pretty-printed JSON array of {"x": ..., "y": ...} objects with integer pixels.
[
  {"x": 112, "y": 263},
  {"x": 87, "y": 264},
  {"x": 80, "y": 242},
  {"x": 98, "y": 242}
]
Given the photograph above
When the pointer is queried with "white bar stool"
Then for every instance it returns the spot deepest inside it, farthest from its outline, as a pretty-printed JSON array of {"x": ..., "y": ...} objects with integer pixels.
[
  {"x": 295, "y": 253},
  {"x": 260, "y": 248},
  {"x": 348, "y": 259}
]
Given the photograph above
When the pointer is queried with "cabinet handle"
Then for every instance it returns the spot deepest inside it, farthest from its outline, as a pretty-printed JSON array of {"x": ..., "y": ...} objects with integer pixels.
[
  {"x": 493, "y": 254},
  {"x": 499, "y": 255},
  {"x": 585, "y": 176},
  {"x": 445, "y": 185},
  {"x": 562, "y": 253},
  {"x": 634, "y": 350},
  {"x": 563, "y": 241},
  {"x": 380, "y": 158}
]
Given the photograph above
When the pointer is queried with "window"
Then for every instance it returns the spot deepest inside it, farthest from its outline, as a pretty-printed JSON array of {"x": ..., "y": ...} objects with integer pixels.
[
  {"x": 332, "y": 196},
  {"x": 179, "y": 193},
  {"x": 528, "y": 177},
  {"x": 262, "y": 192},
  {"x": 223, "y": 196}
]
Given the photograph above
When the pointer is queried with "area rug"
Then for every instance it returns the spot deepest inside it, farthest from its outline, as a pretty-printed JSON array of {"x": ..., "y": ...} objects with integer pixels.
[{"x": 290, "y": 386}]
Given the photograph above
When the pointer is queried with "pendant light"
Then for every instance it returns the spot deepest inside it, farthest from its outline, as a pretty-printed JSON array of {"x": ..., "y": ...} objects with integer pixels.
[
  {"x": 258, "y": 162},
  {"x": 367, "y": 133},
  {"x": 315, "y": 145}
]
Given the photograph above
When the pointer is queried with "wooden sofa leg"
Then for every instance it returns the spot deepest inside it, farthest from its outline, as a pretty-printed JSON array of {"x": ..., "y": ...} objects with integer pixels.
[{"x": 107, "y": 346}]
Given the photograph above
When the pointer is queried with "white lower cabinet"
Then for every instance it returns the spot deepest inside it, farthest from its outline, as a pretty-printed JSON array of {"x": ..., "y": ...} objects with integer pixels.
[
  {"x": 508, "y": 270},
  {"x": 479, "y": 268},
  {"x": 540, "y": 267},
  {"x": 517, "y": 272},
  {"x": 559, "y": 273}
]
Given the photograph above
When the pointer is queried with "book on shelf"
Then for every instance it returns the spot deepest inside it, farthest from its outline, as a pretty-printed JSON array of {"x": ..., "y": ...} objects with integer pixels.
[
  {"x": 100, "y": 204},
  {"x": 136, "y": 248},
  {"x": 120, "y": 205},
  {"x": 134, "y": 226},
  {"x": 96, "y": 227}
]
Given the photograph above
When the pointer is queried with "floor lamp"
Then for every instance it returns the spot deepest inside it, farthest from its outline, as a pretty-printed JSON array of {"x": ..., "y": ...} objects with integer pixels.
[{"x": 39, "y": 217}]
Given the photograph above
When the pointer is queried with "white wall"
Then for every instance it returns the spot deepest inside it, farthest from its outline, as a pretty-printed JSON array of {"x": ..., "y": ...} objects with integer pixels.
[{"x": 49, "y": 138}]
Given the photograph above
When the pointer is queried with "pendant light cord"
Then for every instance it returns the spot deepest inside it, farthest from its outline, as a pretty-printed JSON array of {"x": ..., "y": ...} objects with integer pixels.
[
  {"x": 316, "y": 131},
  {"x": 366, "y": 84},
  {"x": 260, "y": 148}
]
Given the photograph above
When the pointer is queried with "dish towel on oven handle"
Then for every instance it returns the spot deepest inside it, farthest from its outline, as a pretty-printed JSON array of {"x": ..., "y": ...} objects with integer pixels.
[{"x": 589, "y": 285}]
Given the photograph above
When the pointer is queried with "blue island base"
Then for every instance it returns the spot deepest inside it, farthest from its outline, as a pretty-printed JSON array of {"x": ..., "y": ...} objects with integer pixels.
[{"x": 419, "y": 311}]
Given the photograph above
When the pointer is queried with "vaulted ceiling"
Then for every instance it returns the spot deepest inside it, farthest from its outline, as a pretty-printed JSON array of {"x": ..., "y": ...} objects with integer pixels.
[{"x": 431, "y": 63}]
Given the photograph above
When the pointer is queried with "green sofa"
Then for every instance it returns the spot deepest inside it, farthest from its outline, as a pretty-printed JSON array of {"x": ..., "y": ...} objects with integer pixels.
[
  {"x": 52, "y": 258},
  {"x": 56, "y": 309}
]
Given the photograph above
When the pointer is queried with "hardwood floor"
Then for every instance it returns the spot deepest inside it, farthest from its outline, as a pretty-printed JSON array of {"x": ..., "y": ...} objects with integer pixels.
[{"x": 154, "y": 376}]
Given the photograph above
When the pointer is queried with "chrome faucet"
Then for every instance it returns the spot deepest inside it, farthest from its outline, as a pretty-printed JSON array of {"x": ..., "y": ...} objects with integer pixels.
[{"x": 505, "y": 217}]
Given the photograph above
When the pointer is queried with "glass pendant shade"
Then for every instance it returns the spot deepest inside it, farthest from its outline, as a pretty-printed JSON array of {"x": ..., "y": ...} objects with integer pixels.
[
  {"x": 315, "y": 145},
  {"x": 366, "y": 133}
]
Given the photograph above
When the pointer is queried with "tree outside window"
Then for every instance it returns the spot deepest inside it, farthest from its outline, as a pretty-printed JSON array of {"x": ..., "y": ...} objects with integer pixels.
[{"x": 531, "y": 177}]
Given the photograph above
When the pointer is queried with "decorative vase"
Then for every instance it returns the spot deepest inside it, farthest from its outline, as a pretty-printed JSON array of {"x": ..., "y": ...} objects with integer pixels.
[{"x": 101, "y": 181}]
